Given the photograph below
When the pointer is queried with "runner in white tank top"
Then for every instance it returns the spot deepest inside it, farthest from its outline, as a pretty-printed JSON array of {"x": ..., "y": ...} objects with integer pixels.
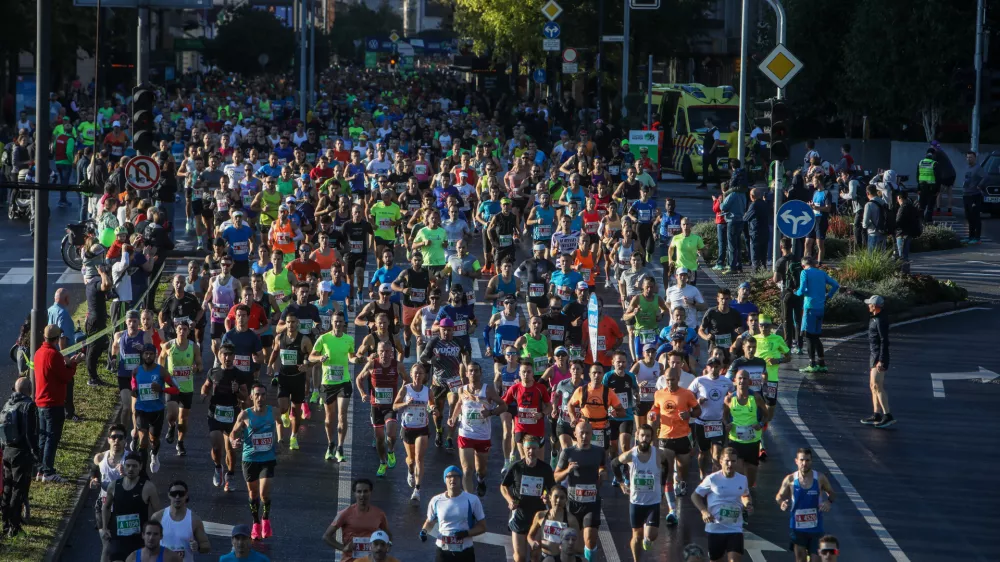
[
  {"x": 181, "y": 527},
  {"x": 412, "y": 402},
  {"x": 476, "y": 403},
  {"x": 643, "y": 485},
  {"x": 647, "y": 370}
]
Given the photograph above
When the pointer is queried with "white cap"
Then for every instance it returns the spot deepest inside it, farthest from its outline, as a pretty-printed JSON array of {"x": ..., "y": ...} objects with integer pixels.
[
  {"x": 380, "y": 536},
  {"x": 116, "y": 124}
]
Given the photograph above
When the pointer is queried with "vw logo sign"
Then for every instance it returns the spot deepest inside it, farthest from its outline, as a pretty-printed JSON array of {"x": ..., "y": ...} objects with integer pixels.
[{"x": 373, "y": 44}]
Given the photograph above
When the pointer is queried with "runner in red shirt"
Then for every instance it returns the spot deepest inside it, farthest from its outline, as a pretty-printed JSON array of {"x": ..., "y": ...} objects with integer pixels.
[
  {"x": 382, "y": 373},
  {"x": 258, "y": 318},
  {"x": 533, "y": 404},
  {"x": 303, "y": 265}
]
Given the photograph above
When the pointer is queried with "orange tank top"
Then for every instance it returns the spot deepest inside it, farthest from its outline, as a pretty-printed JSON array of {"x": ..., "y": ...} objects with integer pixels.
[{"x": 585, "y": 267}]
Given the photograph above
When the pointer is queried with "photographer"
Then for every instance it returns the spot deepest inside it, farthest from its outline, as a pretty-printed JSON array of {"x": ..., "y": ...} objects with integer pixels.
[
  {"x": 97, "y": 280},
  {"x": 158, "y": 245}
]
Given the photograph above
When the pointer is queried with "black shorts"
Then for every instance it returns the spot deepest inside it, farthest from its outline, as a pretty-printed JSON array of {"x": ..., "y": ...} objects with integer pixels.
[
  {"x": 267, "y": 341},
  {"x": 292, "y": 387},
  {"x": 383, "y": 243},
  {"x": 541, "y": 302},
  {"x": 819, "y": 229},
  {"x": 588, "y": 515},
  {"x": 439, "y": 392},
  {"x": 240, "y": 269},
  {"x": 808, "y": 541},
  {"x": 467, "y": 555},
  {"x": 679, "y": 445},
  {"x": 198, "y": 207},
  {"x": 149, "y": 421},
  {"x": 410, "y": 434},
  {"x": 593, "y": 238},
  {"x": 644, "y": 408},
  {"x": 564, "y": 428},
  {"x": 218, "y": 330},
  {"x": 617, "y": 427},
  {"x": 747, "y": 452},
  {"x": 705, "y": 443},
  {"x": 381, "y": 414},
  {"x": 253, "y": 471},
  {"x": 216, "y": 425},
  {"x": 184, "y": 399},
  {"x": 332, "y": 391},
  {"x": 355, "y": 261},
  {"x": 520, "y": 521},
  {"x": 501, "y": 254},
  {"x": 644, "y": 515},
  {"x": 125, "y": 383},
  {"x": 874, "y": 360},
  {"x": 719, "y": 544}
]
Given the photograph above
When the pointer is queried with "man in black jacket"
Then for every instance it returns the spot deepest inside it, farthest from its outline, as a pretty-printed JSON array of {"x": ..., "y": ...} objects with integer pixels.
[
  {"x": 878, "y": 344},
  {"x": 907, "y": 227},
  {"x": 20, "y": 454}
]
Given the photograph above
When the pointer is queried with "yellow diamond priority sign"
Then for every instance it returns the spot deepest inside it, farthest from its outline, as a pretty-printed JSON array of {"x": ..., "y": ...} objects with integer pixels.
[
  {"x": 394, "y": 37},
  {"x": 551, "y": 10},
  {"x": 780, "y": 66}
]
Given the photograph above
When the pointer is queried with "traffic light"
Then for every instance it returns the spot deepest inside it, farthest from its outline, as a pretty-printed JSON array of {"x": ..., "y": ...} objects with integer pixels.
[
  {"x": 392, "y": 62},
  {"x": 775, "y": 124},
  {"x": 143, "y": 138}
]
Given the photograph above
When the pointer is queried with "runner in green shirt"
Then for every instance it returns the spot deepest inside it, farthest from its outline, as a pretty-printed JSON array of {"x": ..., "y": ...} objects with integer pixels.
[
  {"x": 335, "y": 350},
  {"x": 385, "y": 216},
  {"x": 431, "y": 241},
  {"x": 683, "y": 251}
]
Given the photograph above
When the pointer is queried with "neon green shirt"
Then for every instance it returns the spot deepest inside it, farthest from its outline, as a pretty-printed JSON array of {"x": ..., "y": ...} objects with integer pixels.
[
  {"x": 384, "y": 215},
  {"x": 337, "y": 368},
  {"x": 433, "y": 254},
  {"x": 771, "y": 347},
  {"x": 687, "y": 250}
]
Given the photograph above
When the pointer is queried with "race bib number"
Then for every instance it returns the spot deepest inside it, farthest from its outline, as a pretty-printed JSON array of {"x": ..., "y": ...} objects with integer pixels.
[
  {"x": 279, "y": 296},
  {"x": 729, "y": 514},
  {"x": 771, "y": 390},
  {"x": 745, "y": 433},
  {"x": 357, "y": 246},
  {"x": 614, "y": 170},
  {"x": 623, "y": 397},
  {"x": 219, "y": 312},
  {"x": 528, "y": 415},
  {"x": 541, "y": 363},
  {"x": 575, "y": 353},
  {"x": 591, "y": 227},
  {"x": 262, "y": 442},
  {"x": 460, "y": 327},
  {"x": 585, "y": 493},
  {"x": 643, "y": 481},
  {"x": 646, "y": 392},
  {"x": 673, "y": 230},
  {"x": 289, "y": 357},
  {"x": 564, "y": 292},
  {"x": 598, "y": 439},
  {"x": 182, "y": 375},
  {"x": 418, "y": 295},
  {"x": 242, "y": 362},
  {"x": 644, "y": 215},
  {"x": 506, "y": 240},
  {"x": 806, "y": 518},
  {"x": 333, "y": 374},
  {"x": 543, "y": 231},
  {"x": 647, "y": 336},
  {"x": 552, "y": 531},
  {"x": 225, "y": 414},
  {"x": 247, "y": 198},
  {"x": 585, "y": 273},
  {"x": 756, "y": 381},
  {"x": 383, "y": 395},
  {"x": 222, "y": 205},
  {"x": 454, "y": 384},
  {"x": 385, "y": 224},
  {"x": 127, "y": 525},
  {"x": 601, "y": 344},
  {"x": 451, "y": 544},
  {"x": 306, "y": 325},
  {"x": 534, "y": 290},
  {"x": 326, "y": 321},
  {"x": 532, "y": 486},
  {"x": 146, "y": 392},
  {"x": 131, "y": 361},
  {"x": 284, "y": 238},
  {"x": 723, "y": 340},
  {"x": 415, "y": 415},
  {"x": 712, "y": 429},
  {"x": 241, "y": 248},
  {"x": 362, "y": 546}
]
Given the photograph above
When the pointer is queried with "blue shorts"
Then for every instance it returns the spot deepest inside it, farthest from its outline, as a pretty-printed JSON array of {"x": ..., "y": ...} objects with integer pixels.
[
  {"x": 812, "y": 321},
  {"x": 808, "y": 541}
]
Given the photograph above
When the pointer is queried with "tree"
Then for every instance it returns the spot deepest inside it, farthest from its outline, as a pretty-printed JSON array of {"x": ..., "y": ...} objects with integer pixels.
[
  {"x": 357, "y": 21},
  {"x": 251, "y": 33}
]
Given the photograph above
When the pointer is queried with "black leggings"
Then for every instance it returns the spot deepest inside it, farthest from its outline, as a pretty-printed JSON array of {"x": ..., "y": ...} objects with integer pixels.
[
  {"x": 791, "y": 314},
  {"x": 94, "y": 349},
  {"x": 815, "y": 348}
]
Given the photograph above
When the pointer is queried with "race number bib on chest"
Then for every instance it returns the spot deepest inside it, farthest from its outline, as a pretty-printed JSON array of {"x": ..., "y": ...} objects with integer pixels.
[
  {"x": 643, "y": 481},
  {"x": 532, "y": 486},
  {"x": 333, "y": 374},
  {"x": 262, "y": 442},
  {"x": 723, "y": 340},
  {"x": 534, "y": 290},
  {"x": 224, "y": 414},
  {"x": 528, "y": 416},
  {"x": 289, "y": 357},
  {"x": 357, "y": 246},
  {"x": 146, "y": 392},
  {"x": 585, "y": 493},
  {"x": 127, "y": 525},
  {"x": 712, "y": 429},
  {"x": 242, "y": 362},
  {"x": 806, "y": 518},
  {"x": 383, "y": 395}
]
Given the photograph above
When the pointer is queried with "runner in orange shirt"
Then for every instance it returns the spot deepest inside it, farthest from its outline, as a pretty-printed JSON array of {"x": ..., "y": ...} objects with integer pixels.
[
  {"x": 325, "y": 255},
  {"x": 609, "y": 336},
  {"x": 674, "y": 406},
  {"x": 591, "y": 403},
  {"x": 585, "y": 262}
]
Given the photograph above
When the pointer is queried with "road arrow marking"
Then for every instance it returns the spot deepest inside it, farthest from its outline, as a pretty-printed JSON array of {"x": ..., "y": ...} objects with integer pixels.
[
  {"x": 756, "y": 546},
  {"x": 937, "y": 379}
]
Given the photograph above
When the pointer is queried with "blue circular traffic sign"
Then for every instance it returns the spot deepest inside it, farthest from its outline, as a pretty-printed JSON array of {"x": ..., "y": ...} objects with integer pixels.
[
  {"x": 538, "y": 75},
  {"x": 796, "y": 219}
]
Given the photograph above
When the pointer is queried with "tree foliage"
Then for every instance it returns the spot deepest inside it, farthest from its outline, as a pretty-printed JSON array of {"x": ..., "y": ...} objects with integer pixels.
[
  {"x": 71, "y": 27},
  {"x": 250, "y": 33},
  {"x": 357, "y": 21}
]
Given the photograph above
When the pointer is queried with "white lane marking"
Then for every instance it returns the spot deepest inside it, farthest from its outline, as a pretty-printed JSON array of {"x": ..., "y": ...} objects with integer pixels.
[
  {"x": 756, "y": 545},
  {"x": 791, "y": 408},
  {"x": 937, "y": 379},
  {"x": 218, "y": 529},
  {"x": 70, "y": 277},
  {"x": 477, "y": 352},
  {"x": 607, "y": 541},
  {"x": 17, "y": 276}
]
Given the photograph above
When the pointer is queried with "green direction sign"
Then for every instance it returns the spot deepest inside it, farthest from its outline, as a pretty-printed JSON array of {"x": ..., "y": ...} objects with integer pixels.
[{"x": 371, "y": 60}]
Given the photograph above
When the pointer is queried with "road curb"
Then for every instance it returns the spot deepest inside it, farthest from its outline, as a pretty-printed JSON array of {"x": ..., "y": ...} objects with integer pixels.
[{"x": 910, "y": 314}]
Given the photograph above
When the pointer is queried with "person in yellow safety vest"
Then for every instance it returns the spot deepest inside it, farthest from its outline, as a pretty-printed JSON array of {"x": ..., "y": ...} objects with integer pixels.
[{"x": 927, "y": 185}]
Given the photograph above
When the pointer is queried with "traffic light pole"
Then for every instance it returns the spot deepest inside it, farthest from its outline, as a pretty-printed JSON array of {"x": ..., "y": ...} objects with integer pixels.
[
  {"x": 302, "y": 60},
  {"x": 625, "y": 45},
  {"x": 779, "y": 173},
  {"x": 39, "y": 298},
  {"x": 741, "y": 143},
  {"x": 142, "y": 54},
  {"x": 976, "y": 109},
  {"x": 779, "y": 13}
]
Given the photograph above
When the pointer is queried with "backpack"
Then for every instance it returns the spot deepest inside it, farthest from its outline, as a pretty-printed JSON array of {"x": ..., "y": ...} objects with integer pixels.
[
  {"x": 793, "y": 274},
  {"x": 882, "y": 222},
  {"x": 11, "y": 426}
]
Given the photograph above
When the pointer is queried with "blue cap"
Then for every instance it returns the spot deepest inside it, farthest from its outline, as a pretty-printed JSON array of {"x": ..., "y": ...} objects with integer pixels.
[
  {"x": 452, "y": 469},
  {"x": 744, "y": 285},
  {"x": 241, "y": 530}
]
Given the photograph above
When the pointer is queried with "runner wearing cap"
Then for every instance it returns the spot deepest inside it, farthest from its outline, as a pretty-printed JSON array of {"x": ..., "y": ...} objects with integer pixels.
[
  {"x": 462, "y": 313},
  {"x": 382, "y": 304},
  {"x": 359, "y": 236},
  {"x": 239, "y": 236},
  {"x": 477, "y": 403},
  {"x": 711, "y": 390},
  {"x": 385, "y": 216},
  {"x": 411, "y": 405},
  {"x": 380, "y": 544},
  {"x": 674, "y": 406},
  {"x": 358, "y": 524},
  {"x": 536, "y": 273},
  {"x": 255, "y": 427},
  {"x": 443, "y": 354},
  {"x": 502, "y": 230},
  {"x": 524, "y": 487},
  {"x": 326, "y": 306},
  {"x": 127, "y": 346},
  {"x": 284, "y": 234},
  {"x": 386, "y": 274},
  {"x": 336, "y": 351},
  {"x": 181, "y": 357},
  {"x": 459, "y": 517},
  {"x": 564, "y": 280},
  {"x": 878, "y": 344}
]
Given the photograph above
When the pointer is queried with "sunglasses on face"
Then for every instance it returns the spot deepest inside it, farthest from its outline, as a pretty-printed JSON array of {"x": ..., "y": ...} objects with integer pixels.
[
  {"x": 829, "y": 552},
  {"x": 116, "y": 436},
  {"x": 177, "y": 493}
]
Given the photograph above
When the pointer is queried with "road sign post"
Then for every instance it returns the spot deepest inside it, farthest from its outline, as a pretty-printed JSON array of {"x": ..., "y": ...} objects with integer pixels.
[
  {"x": 39, "y": 298},
  {"x": 779, "y": 172},
  {"x": 795, "y": 219}
]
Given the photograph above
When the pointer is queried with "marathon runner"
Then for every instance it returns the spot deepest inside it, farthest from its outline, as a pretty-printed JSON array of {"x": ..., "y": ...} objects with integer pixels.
[
  {"x": 524, "y": 487},
  {"x": 149, "y": 383},
  {"x": 746, "y": 414},
  {"x": 552, "y": 528},
  {"x": 129, "y": 503},
  {"x": 181, "y": 357},
  {"x": 536, "y": 272},
  {"x": 127, "y": 347},
  {"x": 356, "y": 524},
  {"x": 255, "y": 427},
  {"x": 477, "y": 404},
  {"x": 801, "y": 496},
  {"x": 413, "y": 283},
  {"x": 183, "y": 532},
  {"x": 249, "y": 355},
  {"x": 581, "y": 466},
  {"x": 152, "y": 536},
  {"x": 674, "y": 407},
  {"x": 721, "y": 324},
  {"x": 359, "y": 236},
  {"x": 711, "y": 390},
  {"x": 227, "y": 389},
  {"x": 623, "y": 384},
  {"x": 335, "y": 350},
  {"x": 107, "y": 470},
  {"x": 533, "y": 404},
  {"x": 459, "y": 517},
  {"x": 722, "y": 498},
  {"x": 412, "y": 404},
  {"x": 443, "y": 354},
  {"x": 279, "y": 280},
  {"x": 535, "y": 347},
  {"x": 642, "y": 486},
  {"x": 384, "y": 371}
]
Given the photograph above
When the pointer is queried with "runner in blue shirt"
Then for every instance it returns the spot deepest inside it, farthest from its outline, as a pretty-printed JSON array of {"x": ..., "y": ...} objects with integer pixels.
[{"x": 813, "y": 283}]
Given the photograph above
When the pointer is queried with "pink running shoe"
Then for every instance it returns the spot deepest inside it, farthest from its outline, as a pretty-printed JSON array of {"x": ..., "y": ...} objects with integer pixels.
[
  {"x": 306, "y": 412},
  {"x": 266, "y": 524},
  {"x": 255, "y": 532}
]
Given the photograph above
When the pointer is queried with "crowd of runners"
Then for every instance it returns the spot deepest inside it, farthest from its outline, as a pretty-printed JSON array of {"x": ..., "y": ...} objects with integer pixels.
[{"x": 452, "y": 198}]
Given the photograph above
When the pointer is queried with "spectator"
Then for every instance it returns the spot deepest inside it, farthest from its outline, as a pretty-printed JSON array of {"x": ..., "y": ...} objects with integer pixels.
[
  {"x": 241, "y": 548},
  {"x": 19, "y": 455},
  {"x": 721, "y": 234},
  {"x": 97, "y": 281},
  {"x": 972, "y": 197},
  {"x": 757, "y": 218},
  {"x": 846, "y": 160},
  {"x": 850, "y": 190},
  {"x": 875, "y": 219},
  {"x": 83, "y": 159},
  {"x": 121, "y": 280},
  {"x": 52, "y": 377},
  {"x": 945, "y": 175},
  {"x": 907, "y": 227},
  {"x": 734, "y": 206},
  {"x": 59, "y": 315},
  {"x": 710, "y": 139}
]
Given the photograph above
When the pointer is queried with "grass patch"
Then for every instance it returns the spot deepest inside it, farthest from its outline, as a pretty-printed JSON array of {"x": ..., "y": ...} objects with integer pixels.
[{"x": 52, "y": 503}]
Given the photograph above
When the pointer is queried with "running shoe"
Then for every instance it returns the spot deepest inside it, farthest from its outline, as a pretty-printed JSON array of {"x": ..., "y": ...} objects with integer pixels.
[
  {"x": 438, "y": 440},
  {"x": 717, "y": 268},
  {"x": 873, "y": 419},
  {"x": 809, "y": 369},
  {"x": 54, "y": 478},
  {"x": 381, "y": 470},
  {"x": 481, "y": 488},
  {"x": 265, "y": 530},
  {"x": 154, "y": 463},
  {"x": 887, "y": 420},
  {"x": 329, "y": 453},
  {"x": 285, "y": 421},
  {"x": 762, "y": 455},
  {"x": 217, "y": 477},
  {"x": 306, "y": 412},
  {"x": 449, "y": 444},
  {"x": 339, "y": 455},
  {"x": 506, "y": 465},
  {"x": 314, "y": 398},
  {"x": 646, "y": 544},
  {"x": 391, "y": 459},
  {"x": 410, "y": 479},
  {"x": 229, "y": 486},
  {"x": 293, "y": 443},
  {"x": 671, "y": 519},
  {"x": 255, "y": 532},
  {"x": 415, "y": 497},
  {"x": 171, "y": 434},
  {"x": 795, "y": 350},
  {"x": 181, "y": 450},
  {"x": 822, "y": 369}
]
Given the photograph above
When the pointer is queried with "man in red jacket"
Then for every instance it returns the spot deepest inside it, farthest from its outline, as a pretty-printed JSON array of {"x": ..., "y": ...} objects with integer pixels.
[{"x": 52, "y": 376}]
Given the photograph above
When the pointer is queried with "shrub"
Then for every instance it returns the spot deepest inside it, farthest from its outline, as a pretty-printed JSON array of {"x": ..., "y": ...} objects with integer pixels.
[
  {"x": 867, "y": 265},
  {"x": 934, "y": 238},
  {"x": 841, "y": 227},
  {"x": 843, "y": 309},
  {"x": 836, "y": 248}
]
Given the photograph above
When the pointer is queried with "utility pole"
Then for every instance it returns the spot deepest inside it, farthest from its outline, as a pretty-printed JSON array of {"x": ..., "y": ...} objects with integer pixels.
[
  {"x": 649, "y": 94},
  {"x": 779, "y": 14},
  {"x": 142, "y": 46},
  {"x": 627, "y": 18},
  {"x": 741, "y": 143},
  {"x": 312, "y": 52},
  {"x": 976, "y": 109},
  {"x": 600, "y": 54},
  {"x": 302, "y": 60},
  {"x": 39, "y": 300}
]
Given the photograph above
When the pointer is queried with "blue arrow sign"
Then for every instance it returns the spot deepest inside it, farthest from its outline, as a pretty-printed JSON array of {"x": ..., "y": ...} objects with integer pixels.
[
  {"x": 551, "y": 30},
  {"x": 538, "y": 75},
  {"x": 796, "y": 219}
]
